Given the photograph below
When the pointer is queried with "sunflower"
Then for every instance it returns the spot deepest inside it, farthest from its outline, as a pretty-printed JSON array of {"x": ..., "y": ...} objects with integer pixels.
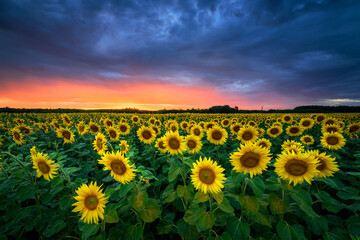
[
  {"x": 263, "y": 142},
  {"x": 333, "y": 140},
  {"x": 235, "y": 128},
  {"x": 90, "y": 203},
  {"x": 113, "y": 133},
  {"x": 307, "y": 140},
  {"x": 156, "y": 129},
  {"x": 225, "y": 122},
  {"x": 209, "y": 125},
  {"x": 174, "y": 143},
  {"x": 306, "y": 123},
  {"x": 296, "y": 167},
  {"x": 54, "y": 124},
  {"x": 152, "y": 120},
  {"x": 319, "y": 118},
  {"x": 217, "y": 135},
  {"x": 184, "y": 125},
  {"x": 135, "y": 119},
  {"x": 160, "y": 144},
  {"x": 353, "y": 128},
  {"x": 82, "y": 128},
  {"x": 193, "y": 143},
  {"x": 197, "y": 130},
  {"x": 100, "y": 144},
  {"x": 207, "y": 176},
  {"x": 66, "y": 119},
  {"x": 44, "y": 127},
  {"x": 250, "y": 158},
  {"x": 331, "y": 128},
  {"x": 124, "y": 146},
  {"x": 108, "y": 123},
  {"x": 247, "y": 134},
  {"x": 24, "y": 129},
  {"x": 294, "y": 130},
  {"x": 33, "y": 151},
  {"x": 119, "y": 166},
  {"x": 286, "y": 118},
  {"x": 294, "y": 148},
  {"x": 146, "y": 134},
  {"x": 44, "y": 166},
  {"x": 289, "y": 143},
  {"x": 18, "y": 137},
  {"x": 124, "y": 128},
  {"x": 174, "y": 127},
  {"x": 94, "y": 128},
  {"x": 66, "y": 134},
  {"x": 274, "y": 131},
  {"x": 329, "y": 121},
  {"x": 260, "y": 132},
  {"x": 327, "y": 164}
]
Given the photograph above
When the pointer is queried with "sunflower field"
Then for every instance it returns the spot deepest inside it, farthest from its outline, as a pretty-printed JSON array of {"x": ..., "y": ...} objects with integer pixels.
[{"x": 179, "y": 176}]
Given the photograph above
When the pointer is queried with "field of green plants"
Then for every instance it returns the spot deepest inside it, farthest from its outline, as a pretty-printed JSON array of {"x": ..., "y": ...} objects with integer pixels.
[{"x": 179, "y": 176}]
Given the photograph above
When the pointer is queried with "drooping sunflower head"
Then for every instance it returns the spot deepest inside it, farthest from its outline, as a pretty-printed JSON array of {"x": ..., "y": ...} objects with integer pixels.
[
  {"x": 263, "y": 142},
  {"x": 307, "y": 140},
  {"x": 90, "y": 203},
  {"x": 174, "y": 143},
  {"x": 197, "y": 130},
  {"x": 217, "y": 135},
  {"x": 250, "y": 158},
  {"x": 247, "y": 134},
  {"x": 124, "y": 146},
  {"x": 100, "y": 144},
  {"x": 296, "y": 167},
  {"x": 306, "y": 123},
  {"x": 327, "y": 164},
  {"x": 333, "y": 140},
  {"x": 94, "y": 128},
  {"x": 82, "y": 128},
  {"x": 113, "y": 133},
  {"x": 24, "y": 128},
  {"x": 207, "y": 176},
  {"x": 44, "y": 166},
  {"x": 66, "y": 119},
  {"x": 18, "y": 137},
  {"x": 66, "y": 134},
  {"x": 146, "y": 134},
  {"x": 331, "y": 128},
  {"x": 120, "y": 167},
  {"x": 274, "y": 131},
  {"x": 160, "y": 144},
  {"x": 193, "y": 143},
  {"x": 294, "y": 130},
  {"x": 54, "y": 124},
  {"x": 124, "y": 128},
  {"x": 353, "y": 128}
]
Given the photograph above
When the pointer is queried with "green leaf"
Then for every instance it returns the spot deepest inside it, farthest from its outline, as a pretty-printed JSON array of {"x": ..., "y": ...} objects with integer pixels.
[
  {"x": 304, "y": 201},
  {"x": 225, "y": 206},
  {"x": 251, "y": 204},
  {"x": 257, "y": 185},
  {"x": 277, "y": 206},
  {"x": 284, "y": 231},
  {"x": 111, "y": 216},
  {"x": 353, "y": 225},
  {"x": 54, "y": 227},
  {"x": 238, "y": 229},
  {"x": 273, "y": 183},
  {"x": 219, "y": 197},
  {"x": 297, "y": 232},
  {"x": 206, "y": 221},
  {"x": 317, "y": 225},
  {"x": 192, "y": 215},
  {"x": 180, "y": 190},
  {"x": 134, "y": 232},
  {"x": 151, "y": 212},
  {"x": 138, "y": 201},
  {"x": 186, "y": 231},
  {"x": 174, "y": 171},
  {"x": 124, "y": 189},
  {"x": 237, "y": 178},
  {"x": 24, "y": 193},
  {"x": 262, "y": 218},
  {"x": 65, "y": 202},
  {"x": 347, "y": 193},
  {"x": 200, "y": 197},
  {"x": 88, "y": 230},
  {"x": 169, "y": 194}
]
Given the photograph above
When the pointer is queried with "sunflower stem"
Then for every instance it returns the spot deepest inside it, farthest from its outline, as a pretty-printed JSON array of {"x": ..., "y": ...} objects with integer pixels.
[
  {"x": 210, "y": 203},
  {"x": 183, "y": 168},
  {"x": 32, "y": 142}
]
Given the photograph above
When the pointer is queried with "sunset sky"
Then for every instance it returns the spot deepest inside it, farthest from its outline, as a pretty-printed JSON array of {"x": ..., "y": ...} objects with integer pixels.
[{"x": 179, "y": 54}]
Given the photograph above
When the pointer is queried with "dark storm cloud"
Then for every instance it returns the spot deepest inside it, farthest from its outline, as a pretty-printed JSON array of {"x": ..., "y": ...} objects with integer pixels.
[{"x": 307, "y": 51}]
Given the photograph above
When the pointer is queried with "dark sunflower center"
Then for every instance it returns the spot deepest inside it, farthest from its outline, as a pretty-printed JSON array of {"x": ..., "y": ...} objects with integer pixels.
[
  {"x": 152, "y": 121},
  {"x": 197, "y": 132},
  {"x": 66, "y": 120},
  {"x": 250, "y": 159},
  {"x": 191, "y": 144},
  {"x": 217, "y": 135},
  {"x": 332, "y": 140},
  {"x": 306, "y": 123},
  {"x": 24, "y": 130},
  {"x": 146, "y": 134},
  {"x": 91, "y": 202},
  {"x": 17, "y": 136},
  {"x": 81, "y": 128},
  {"x": 123, "y": 128},
  {"x": 174, "y": 143},
  {"x": 247, "y": 135},
  {"x": 56, "y": 125},
  {"x": 332, "y": 129},
  {"x": 322, "y": 165},
  {"x": 320, "y": 118},
  {"x": 274, "y": 131},
  {"x": 294, "y": 130},
  {"x": 112, "y": 133},
  {"x": 263, "y": 144},
  {"x": 118, "y": 167},
  {"x": 354, "y": 128},
  {"x": 66, "y": 135},
  {"x": 207, "y": 176},
  {"x": 94, "y": 128},
  {"x": 135, "y": 119},
  {"x": 287, "y": 118},
  {"x": 184, "y": 125},
  {"x": 251, "y": 123},
  {"x": 43, "y": 167},
  {"x": 173, "y": 128},
  {"x": 155, "y": 129},
  {"x": 109, "y": 124},
  {"x": 296, "y": 167},
  {"x": 307, "y": 139},
  {"x": 236, "y": 128},
  {"x": 226, "y": 122},
  {"x": 329, "y": 122},
  {"x": 161, "y": 145},
  {"x": 99, "y": 144},
  {"x": 210, "y": 126}
]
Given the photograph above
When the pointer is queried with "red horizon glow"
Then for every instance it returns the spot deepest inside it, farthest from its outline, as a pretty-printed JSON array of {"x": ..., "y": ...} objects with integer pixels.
[{"x": 59, "y": 93}]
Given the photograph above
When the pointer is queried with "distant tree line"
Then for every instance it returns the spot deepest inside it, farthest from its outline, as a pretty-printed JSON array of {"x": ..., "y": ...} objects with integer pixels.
[{"x": 213, "y": 109}]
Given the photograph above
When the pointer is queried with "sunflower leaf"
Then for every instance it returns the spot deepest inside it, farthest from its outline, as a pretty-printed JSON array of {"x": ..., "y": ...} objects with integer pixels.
[{"x": 151, "y": 212}]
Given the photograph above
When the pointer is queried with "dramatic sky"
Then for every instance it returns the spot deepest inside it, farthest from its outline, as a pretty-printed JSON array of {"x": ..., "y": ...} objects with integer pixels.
[{"x": 179, "y": 54}]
